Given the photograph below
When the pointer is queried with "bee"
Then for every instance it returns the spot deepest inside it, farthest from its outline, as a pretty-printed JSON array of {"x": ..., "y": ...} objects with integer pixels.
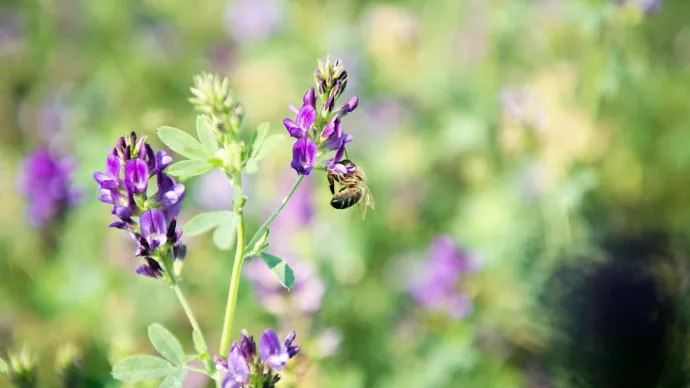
[{"x": 354, "y": 191}]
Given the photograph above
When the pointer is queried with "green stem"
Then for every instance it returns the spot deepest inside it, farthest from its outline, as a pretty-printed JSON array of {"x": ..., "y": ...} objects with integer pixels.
[
  {"x": 236, "y": 271},
  {"x": 197, "y": 370},
  {"x": 192, "y": 320},
  {"x": 270, "y": 219}
]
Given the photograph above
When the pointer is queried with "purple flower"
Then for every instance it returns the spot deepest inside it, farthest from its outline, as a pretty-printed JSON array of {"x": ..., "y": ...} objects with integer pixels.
[
  {"x": 150, "y": 221},
  {"x": 273, "y": 352},
  {"x": 136, "y": 176},
  {"x": 45, "y": 181},
  {"x": 150, "y": 269},
  {"x": 153, "y": 228},
  {"x": 349, "y": 106},
  {"x": 111, "y": 178},
  {"x": 334, "y": 135},
  {"x": 303, "y": 156},
  {"x": 247, "y": 20},
  {"x": 236, "y": 369},
  {"x": 334, "y": 165},
  {"x": 299, "y": 128},
  {"x": 436, "y": 286},
  {"x": 247, "y": 345}
]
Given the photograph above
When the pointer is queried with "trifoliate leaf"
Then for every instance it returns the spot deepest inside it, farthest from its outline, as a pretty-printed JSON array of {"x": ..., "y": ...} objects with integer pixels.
[
  {"x": 166, "y": 344},
  {"x": 206, "y": 135},
  {"x": 204, "y": 222},
  {"x": 182, "y": 143},
  {"x": 280, "y": 269},
  {"x": 142, "y": 367},
  {"x": 189, "y": 168}
]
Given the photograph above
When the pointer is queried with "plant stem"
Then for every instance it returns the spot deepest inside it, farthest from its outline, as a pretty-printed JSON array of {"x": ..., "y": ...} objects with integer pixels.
[
  {"x": 270, "y": 219},
  {"x": 236, "y": 271},
  {"x": 197, "y": 370},
  {"x": 192, "y": 320}
]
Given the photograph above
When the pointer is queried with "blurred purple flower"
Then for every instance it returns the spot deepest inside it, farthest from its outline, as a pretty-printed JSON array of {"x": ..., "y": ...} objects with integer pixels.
[
  {"x": 436, "y": 287},
  {"x": 648, "y": 6},
  {"x": 248, "y": 20},
  {"x": 305, "y": 296},
  {"x": 45, "y": 181},
  {"x": 274, "y": 353},
  {"x": 303, "y": 156}
]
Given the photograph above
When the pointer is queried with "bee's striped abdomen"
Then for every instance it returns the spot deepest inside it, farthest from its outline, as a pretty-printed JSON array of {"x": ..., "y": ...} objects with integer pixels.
[{"x": 348, "y": 196}]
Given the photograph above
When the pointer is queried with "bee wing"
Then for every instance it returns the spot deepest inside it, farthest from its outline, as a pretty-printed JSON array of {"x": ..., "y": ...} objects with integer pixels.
[
  {"x": 369, "y": 197},
  {"x": 362, "y": 205}
]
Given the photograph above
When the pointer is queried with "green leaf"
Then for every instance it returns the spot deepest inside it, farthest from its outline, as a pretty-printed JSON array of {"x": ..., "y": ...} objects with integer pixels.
[
  {"x": 138, "y": 368},
  {"x": 206, "y": 136},
  {"x": 174, "y": 380},
  {"x": 3, "y": 366},
  {"x": 269, "y": 144},
  {"x": 189, "y": 168},
  {"x": 258, "y": 139},
  {"x": 204, "y": 222},
  {"x": 166, "y": 344},
  {"x": 224, "y": 235},
  {"x": 190, "y": 357},
  {"x": 280, "y": 269},
  {"x": 182, "y": 143},
  {"x": 199, "y": 344}
]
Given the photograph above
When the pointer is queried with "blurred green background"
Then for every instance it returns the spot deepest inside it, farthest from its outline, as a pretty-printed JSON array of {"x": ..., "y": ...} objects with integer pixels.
[{"x": 523, "y": 129}]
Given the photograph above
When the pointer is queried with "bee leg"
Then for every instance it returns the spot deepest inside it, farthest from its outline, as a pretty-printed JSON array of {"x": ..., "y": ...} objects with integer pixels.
[{"x": 331, "y": 183}]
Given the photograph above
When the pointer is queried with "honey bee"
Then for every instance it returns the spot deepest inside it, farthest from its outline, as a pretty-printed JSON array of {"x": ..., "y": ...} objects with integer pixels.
[{"x": 354, "y": 191}]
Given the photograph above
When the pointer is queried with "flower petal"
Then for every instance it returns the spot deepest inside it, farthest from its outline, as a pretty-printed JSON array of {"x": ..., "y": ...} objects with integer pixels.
[
  {"x": 152, "y": 222},
  {"x": 136, "y": 176},
  {"x": 112, "y": 166},
  {"x": 293, "y": 129},
  {"x": 310, "y": 98},
  {"x": 306, "y": 117}
]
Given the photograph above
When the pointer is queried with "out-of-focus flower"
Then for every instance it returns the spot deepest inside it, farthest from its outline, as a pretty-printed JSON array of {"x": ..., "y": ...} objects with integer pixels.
[
  {"x": 436, "y": 288},
  {"x": 152, "y": 222},
  {"x": 305, "y": 296},
  {"x": 251, "y": 20},
  {"x": 520, "y": 104},
  {"x": 242, "y": 365},
  {"x": 318, "y": 129},
  {"x": 45, "y": 181},
  {"x": 214, "y": 190}
]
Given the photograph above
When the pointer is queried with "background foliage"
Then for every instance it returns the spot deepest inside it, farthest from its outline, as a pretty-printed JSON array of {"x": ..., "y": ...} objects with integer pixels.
[{"x": 525, "y": 129}]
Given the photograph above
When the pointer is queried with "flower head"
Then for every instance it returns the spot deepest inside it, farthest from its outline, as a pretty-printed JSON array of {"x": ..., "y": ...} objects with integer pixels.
[
  {"x": 150, "y": 221},
  {"x": 318, "y": 129},
  {"x": 242, "y": 366},
  {"x": 45, "y": 182}
]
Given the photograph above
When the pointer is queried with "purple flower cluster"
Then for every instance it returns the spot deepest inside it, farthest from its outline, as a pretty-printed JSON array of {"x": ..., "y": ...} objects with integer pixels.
[
  {"x": 45, "y": 182},
  {"x": 320, "y": 130},
  {"x": 437, "y": 287},
  {"x": 242, "y": 365},
  {"x": 151, "y": 221}
]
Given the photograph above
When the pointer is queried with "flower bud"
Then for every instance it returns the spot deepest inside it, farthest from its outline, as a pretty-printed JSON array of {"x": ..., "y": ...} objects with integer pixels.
[{"x": 248, "y": 346}]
